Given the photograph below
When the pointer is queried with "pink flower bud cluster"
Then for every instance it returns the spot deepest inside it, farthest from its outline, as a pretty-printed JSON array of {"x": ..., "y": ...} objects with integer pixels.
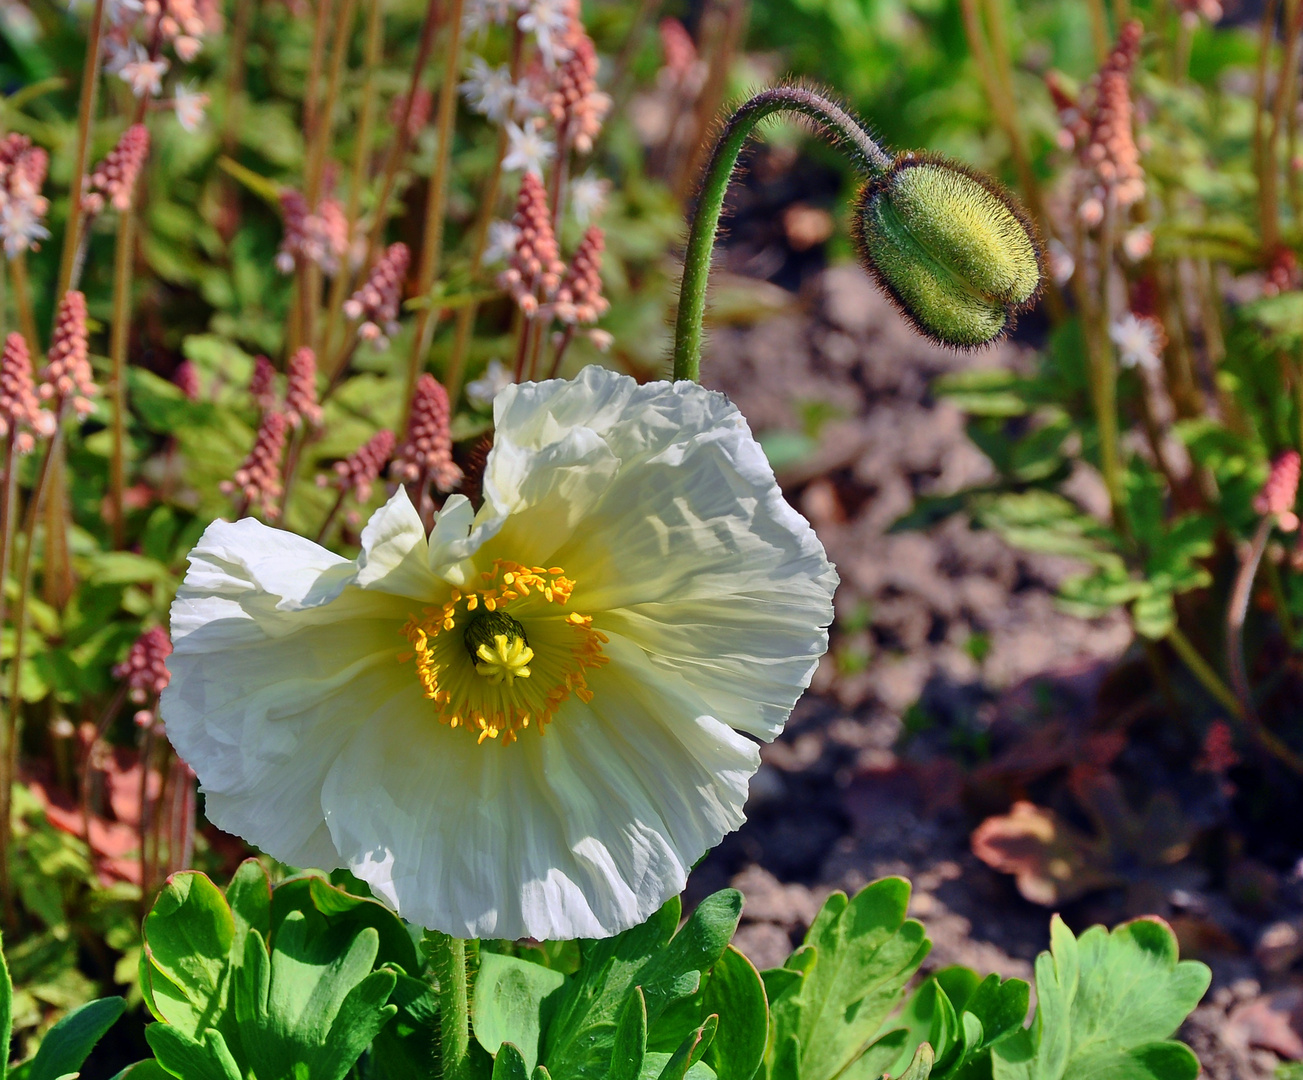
[
  {"x": 262, "y": 385},
  {"x": 320, "y": 238},
  {"x": 576, "y": 106},
  {"x": 145, "y": 668},
  {"x": 377, "y": 301},
  {"x": 1280, "y": 492},
  {"x": 114, "y": 179},
  {"x": 359, "y": 471},
  {"x": 1193, "y": 9},
  {"x": 67, "y": 375},
  {"x": 258, "y": 479},
  {"x": 678, "y": 48},
  {"x": 183, "y": 24},
  {"x": 22, "y": 206},
  {"x": 21, "y": 415},
  {"x": 1282, "y": 272},
  {"x": 535, "y": 268},
  {"x": 426, "y": 456},
  {"x": 1102, "y": 132},
  {"x": 301, "y": 407},
  {"x": 579, "y": 300}
]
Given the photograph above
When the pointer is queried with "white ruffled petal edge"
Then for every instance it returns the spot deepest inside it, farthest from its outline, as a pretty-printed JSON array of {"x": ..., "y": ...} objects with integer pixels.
[{"x": 584, "y": 831}]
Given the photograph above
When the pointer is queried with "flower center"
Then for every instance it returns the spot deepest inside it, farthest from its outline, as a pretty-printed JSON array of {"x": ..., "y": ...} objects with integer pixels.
[
  {"x": 497, "y": 644},
  {"x": 518, "y": 657}
]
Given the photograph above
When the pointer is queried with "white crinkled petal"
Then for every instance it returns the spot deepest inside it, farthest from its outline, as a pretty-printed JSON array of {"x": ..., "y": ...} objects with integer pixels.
[
  {"x": 276, "y": 660},
  {"x": 395, "y": 554},
  {"x": 583, "y": 831},
  {"x": 690, "y": 550}
]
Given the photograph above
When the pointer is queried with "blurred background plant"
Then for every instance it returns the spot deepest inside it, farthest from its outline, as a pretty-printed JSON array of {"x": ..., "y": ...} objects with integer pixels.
[{"x": 274, "y": 257}]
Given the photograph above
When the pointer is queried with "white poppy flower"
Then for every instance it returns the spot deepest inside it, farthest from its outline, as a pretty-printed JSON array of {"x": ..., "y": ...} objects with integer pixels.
[{"x": 535, "y": 721}]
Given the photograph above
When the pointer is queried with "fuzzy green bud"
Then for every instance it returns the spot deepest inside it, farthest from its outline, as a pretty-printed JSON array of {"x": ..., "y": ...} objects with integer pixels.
[{"x": 954, "y": 252}]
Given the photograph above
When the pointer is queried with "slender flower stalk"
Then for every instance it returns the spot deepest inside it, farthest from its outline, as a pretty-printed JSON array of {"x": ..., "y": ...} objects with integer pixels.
[
  {"x": 361, "y": 159},
  {"x": 85, "y": 109},
  {"x": 831, "y": 118},
  {"x": 118, "y": 380},
  {"x": 23, "y": 301},
  {"x": 465, "y": 321},
  {"x": 402, "y": 132},
  {"x": 436, "y": 204}
]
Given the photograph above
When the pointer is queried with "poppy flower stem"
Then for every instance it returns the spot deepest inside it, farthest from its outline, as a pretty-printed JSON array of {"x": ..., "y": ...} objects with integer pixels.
[
  {"x": 831, "y": 119},
  {"x": 449, "y": 960}
]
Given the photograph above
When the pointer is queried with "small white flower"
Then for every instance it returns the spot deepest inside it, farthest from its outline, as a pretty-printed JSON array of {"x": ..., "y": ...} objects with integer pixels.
[
  {"x": 548, "y": 21},
  {"x": 501, "y": 242},
  {"x": 491, "y": 92},
  {"x": 189, "y": 105},
  {"x": 479, "y": 15},
  {"x": 496, "y": 378},
  {"x": 527, "y": 149},
  {"x": 20, "y": 226},
  {"x": 143, "y": 75},
  {"x": 385, "y": 713},
  {"x": 588, "y": 196},
  {"x": 1139, "y": 342}
]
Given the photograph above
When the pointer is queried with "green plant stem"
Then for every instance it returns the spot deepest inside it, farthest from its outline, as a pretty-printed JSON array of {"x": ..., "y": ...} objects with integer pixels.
[
  {"x": 832, "y": 120},
  {"x": 1099, "y": 33},
  {"x": 23, "y": 304},
  {"x": 454, "y": 1009},
  {"x": 318, "y": 55},
  {"x": 326, "y": 119},
  {"x": 398, "y": 148},
  {"x": 7, "y": 507},
  {"x": 1203, "y": 671},
  {"x": 1103, "y": 374},
  {"x": 86, "y": 106},
  {"x": 12, "y": 727},
  {"x": 118, "y": 382},
  {"x": 1286, "y": 100},
  {"x": 465, "y": 321},
  {"x": 436, "y": 206},
  {"x": 361, "y": 155},
  {"x": 235, "y": 70},
  {"x": 1264, "y": 164}
]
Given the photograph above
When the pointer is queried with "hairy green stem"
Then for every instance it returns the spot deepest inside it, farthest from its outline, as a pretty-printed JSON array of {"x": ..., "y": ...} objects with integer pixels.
[
  {"x": 454, "y": 1009},
  {"x": 89, "y": 83},
  {"x": 436, "y": 205},
  {"x": 118, "y": 381},
  {"x": 834, "y": 121}
]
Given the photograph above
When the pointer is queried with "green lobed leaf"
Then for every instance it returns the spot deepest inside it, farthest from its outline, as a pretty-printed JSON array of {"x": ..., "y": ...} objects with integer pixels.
[
  {"x": 507, "y": 1003},
  {"x": 187, "y": 942},
  {"x": 1106, "y": 1005},
  {"x": 509, "y": 1064},
  {"x": 579, "y": 1037},
  {"x": 961, "y": 1015},
  {"x": 690, "y": 1052},
  {"x": 206, "y": 1058},
  {"x": 70, "y": 1041},
  {"x": 735, "y": 993},
  {"x": 861, "y": 954},
  {"x": 630, "y": 1038}
]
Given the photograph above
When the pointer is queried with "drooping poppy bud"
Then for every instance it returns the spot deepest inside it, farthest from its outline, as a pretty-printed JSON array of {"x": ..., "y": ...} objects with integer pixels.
[{"x": 957, "y": 255}]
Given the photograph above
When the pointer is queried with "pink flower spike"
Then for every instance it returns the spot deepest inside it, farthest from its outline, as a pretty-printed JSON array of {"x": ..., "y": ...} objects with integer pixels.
[
  {"x": 67, "y": 375},
  {"x": 301, "y": 393},
  {"x": 145, "y": 668},
  {"x": 21, "y": 414},
  {"x": 359, "y": 471},
  {"x": 257, "y": 481},
  {"x": 426, "y": 456},
  {"x": 1280, "y": 492},
  {"x": 115, "y": 177}
]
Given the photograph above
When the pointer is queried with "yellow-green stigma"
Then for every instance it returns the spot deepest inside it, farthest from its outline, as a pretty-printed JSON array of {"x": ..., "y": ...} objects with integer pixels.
[{"x": 499, "y": 647}]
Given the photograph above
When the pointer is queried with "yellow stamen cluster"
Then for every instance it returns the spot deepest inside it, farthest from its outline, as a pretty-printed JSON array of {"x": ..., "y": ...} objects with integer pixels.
[{"x": 501, "y": 675}]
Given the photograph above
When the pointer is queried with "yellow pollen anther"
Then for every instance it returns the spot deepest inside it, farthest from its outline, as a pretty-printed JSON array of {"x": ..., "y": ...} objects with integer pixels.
[
  {"x": 506, "y": 660},
  {"x": 514, "y": 657}
]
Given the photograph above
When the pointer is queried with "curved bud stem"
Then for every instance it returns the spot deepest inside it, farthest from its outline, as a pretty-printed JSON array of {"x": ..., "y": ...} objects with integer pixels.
[{"x": 832, "y": 120}]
